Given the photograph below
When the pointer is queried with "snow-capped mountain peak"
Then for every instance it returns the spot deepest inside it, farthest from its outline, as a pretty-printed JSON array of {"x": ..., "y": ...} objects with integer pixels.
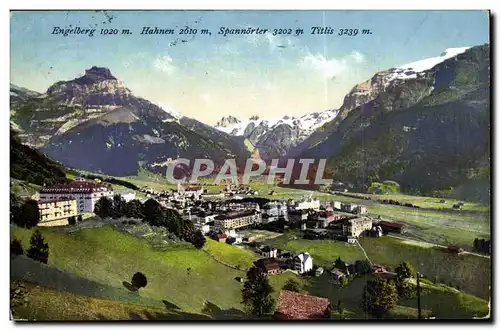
[
  {"x": 276, "y": 135},
  {"x": 174, "y": 113},
  {"x": 227, "y": 121},
  {"x": 411, "y": 70}
]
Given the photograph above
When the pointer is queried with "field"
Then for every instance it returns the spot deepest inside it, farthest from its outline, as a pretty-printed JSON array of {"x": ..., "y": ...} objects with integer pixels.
[
  {"x": 435, "y": 300},
  {"x": 108, "y": 257},
  {"x": 90, "y": 268},
  {"x": 324, "y": 252},
  {"x": 259, "y": 235},
  {"x": 431, "y": 202},
  {"x": 437, "y": 227},
  {"x": 230, "y": 255},
  {"x": 467, "y": 272}
]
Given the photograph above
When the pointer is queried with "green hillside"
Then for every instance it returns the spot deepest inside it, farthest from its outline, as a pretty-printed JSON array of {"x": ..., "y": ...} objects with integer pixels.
[{"x": 85, "y": 277}]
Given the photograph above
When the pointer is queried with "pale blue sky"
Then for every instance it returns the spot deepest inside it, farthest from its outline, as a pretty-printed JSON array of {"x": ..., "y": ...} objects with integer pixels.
[{"x": 208, "y": 77}]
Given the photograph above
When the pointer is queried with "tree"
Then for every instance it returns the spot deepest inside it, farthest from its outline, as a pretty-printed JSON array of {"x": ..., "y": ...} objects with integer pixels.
[
  {"x": 292, "y": 285},
  {"x": 27, "y": 215},
  {"x": 39, "y": 250},
  {"x": 256, "y": 293},
  {"x": 80, "y": 218},
  {"x": 403, "y": 273},
  {"x": 119, "y": 206},
  {"x": 340, "y": 265},
  {"x": 343, "y": 281},
  {"x": 363, "y": 267},
  {"x": 154, "y": 213},
  {"x": 15, "y": 208},
  {"x": 174, "y": 222},
  {"x": 133, "y": 209},
  {"x": 340, "y": 308},
  {"x": 199, "y": 240},
  {"x": 405, "y": 270},
  {"x": 72, "y": 220},
  {"x": 16, "y": 247},
  {"x": 139, "y": 280},
  {"x": 104, "y": 207},
  {"x": 188, "y": 231},
  {"x": 379, "y": 297}
]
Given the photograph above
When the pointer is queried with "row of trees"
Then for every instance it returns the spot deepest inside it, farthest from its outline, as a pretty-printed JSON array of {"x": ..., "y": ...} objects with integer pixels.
[
  {"x": 153, "y": 213},
  {"x": 39, "y": 250}
]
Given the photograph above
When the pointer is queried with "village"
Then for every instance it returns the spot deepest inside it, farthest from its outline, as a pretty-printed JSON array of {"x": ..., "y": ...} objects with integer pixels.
[{"x": 238, "y": 216}]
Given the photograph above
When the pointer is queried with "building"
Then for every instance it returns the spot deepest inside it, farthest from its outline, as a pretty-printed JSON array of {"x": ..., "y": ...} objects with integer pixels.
[
  {"x": 337, "y": 205},
  {"x": 56, "y": 212},
  {"x": 86, "y": 194},
  {"x": 270, "y": 252},
  {"x": 270, "y": 266},
  {"x": 352, "y": 239},
  {"x": 303, "y": 263},
  {"x": 222, "y": 238},
  {"x": 319, "y": 271},
  {"x": 360, "y": 209},
  {"x": 307, "y": 204},
  {"x": 296, "y": 216},
  {"x": 348, "y": 207},
  {"x": 354, "y": 227},
  {"x": 298, "y": 306},
  {"x": 323, "y": 218},
  {"x": 391, "y": 227},
  {"x": 202, "y": 217},
  {"x": 127, "y": 195},
  {"x": 376, "y": 231},
  {"x": 193, "y": 192},
  {"x": 275, "y": 209},
  {"x": 378, "y": 269},
  {"x": 232, "y": 220},
  {"x": 202, "y": 227},
  {"x": 214, "y": 196}
]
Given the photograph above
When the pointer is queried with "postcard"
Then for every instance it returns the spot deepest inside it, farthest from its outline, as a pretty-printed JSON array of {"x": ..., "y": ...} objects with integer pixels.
[{"x": 326, "y": 165}]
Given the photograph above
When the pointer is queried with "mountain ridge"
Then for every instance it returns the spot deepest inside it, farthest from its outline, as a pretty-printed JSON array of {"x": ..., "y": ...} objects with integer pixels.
[{"x": 94, "y": 122}]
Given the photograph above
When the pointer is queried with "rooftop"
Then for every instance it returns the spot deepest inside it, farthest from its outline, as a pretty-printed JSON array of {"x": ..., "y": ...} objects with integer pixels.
[
  {"x": 75, "y": 186},
  {"x": 234, "y": 215},
  {"x": 298, "y": 306}
]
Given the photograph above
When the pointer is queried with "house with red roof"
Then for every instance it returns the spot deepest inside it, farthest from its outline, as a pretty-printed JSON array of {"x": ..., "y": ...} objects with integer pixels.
[{"x": 298, "y": 306}]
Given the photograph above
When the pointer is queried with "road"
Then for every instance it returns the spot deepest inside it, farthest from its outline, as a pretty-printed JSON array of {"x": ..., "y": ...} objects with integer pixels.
[{"x": 437, "y": 245}]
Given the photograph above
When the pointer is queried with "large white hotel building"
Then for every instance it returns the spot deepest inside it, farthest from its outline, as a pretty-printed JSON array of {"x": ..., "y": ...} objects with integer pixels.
[{"x": 86, "y": 194}]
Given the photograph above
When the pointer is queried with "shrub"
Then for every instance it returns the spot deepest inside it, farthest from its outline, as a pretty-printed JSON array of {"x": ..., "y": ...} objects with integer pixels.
[
  {"x": 16, "y": 247},
  {"x": 139, "y": 280},
  {"x": 79, "y": 218},
  {"x": 72, "y": 221},
  {"x": 39, "y": 250}
]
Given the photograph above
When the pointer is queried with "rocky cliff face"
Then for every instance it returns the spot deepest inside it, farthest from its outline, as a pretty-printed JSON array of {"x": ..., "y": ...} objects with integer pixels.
[
  {"x": 226, "y": 121},
  {"x": 95, "y": 123}
]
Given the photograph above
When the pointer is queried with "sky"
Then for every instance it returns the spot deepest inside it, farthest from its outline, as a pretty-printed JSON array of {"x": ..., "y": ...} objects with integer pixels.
[{"x": 210, "y": 76}]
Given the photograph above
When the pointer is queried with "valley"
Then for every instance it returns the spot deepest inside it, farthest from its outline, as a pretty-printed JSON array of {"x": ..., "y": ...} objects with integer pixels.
[{"x": 98, "y": 232}]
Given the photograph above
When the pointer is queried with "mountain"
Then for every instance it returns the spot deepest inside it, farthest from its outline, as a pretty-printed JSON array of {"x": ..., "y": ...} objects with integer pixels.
[
  {"x": 227, "y": 121},
  {"x": 425, "y": 125},
  {"x": 273, "y": 137},
  {"x": 94, "y": 122}
]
